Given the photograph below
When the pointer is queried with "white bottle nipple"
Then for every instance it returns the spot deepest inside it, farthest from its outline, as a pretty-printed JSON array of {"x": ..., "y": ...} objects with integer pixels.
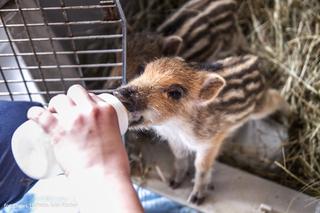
[{"x": 122, "y": 112}]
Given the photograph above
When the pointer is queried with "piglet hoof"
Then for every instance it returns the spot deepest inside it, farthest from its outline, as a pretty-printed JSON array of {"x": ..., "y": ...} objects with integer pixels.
[
  {"x": 196, "y": 199},
  {"x": 174, "y": 184}
]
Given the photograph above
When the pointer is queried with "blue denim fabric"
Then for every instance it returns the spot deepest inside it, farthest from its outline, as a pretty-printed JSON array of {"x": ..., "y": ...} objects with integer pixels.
[
  {"x": 154, "y": 203},
  {"x": 13, "y": 182}
]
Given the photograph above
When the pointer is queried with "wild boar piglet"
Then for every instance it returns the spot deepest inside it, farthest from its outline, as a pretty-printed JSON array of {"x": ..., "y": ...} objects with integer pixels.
[{"x": 196, "y": 106}]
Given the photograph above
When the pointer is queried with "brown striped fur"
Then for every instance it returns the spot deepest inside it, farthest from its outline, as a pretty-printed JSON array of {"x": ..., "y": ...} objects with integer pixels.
[
  {"x": 208, "y": 28},
  {"x": 201, "y": 30},
  {"x": 196, "y": 106}
]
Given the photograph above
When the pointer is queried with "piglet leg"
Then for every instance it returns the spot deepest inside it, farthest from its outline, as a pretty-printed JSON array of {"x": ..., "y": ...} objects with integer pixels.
[
  {"x": 203, "y": 165},
  {"x": 181, "y": 165}
]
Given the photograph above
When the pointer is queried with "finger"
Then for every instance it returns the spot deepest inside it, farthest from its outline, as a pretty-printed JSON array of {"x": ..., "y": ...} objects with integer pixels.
[
  {"x": 35, "y": 112},
  {"x": 47, "y": 121},
  {"x": 62, "y": 105},
  {"x": 42, "y": 117},
  {"x": 80, "y": 97},
  {"x": 95, "y": 98}
]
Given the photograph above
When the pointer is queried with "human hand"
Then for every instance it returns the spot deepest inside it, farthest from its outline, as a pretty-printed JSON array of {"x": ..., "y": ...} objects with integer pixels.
[{"x": 85, "y": 132}]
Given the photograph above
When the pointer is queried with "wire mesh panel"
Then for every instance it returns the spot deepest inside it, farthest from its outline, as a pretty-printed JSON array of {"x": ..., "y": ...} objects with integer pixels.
[{"x": 48, "y": 45}]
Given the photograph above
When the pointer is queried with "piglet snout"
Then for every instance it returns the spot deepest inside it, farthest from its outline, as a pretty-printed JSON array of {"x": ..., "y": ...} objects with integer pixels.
[{"x": 128, "y": 96}]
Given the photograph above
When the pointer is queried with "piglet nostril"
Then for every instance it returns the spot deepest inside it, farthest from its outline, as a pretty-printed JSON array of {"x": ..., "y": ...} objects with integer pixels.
[
  {"x": 115, "y": 93},
  {"x": 119, "y": 93},
  {"x": 127, "y": 96}
]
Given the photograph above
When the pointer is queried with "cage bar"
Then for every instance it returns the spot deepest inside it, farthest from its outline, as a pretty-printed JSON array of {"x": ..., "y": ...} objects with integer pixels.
[
  {"x": 82, "y": 7},
  {"x": 65, "y": 38},
  {"x": 63, "y": 52},
  {"x": 124, "y": 41},
  {"x": 47, "y": 46}
]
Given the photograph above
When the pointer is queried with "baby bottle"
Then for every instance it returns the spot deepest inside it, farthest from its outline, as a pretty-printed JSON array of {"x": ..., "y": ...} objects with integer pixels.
[{"x": 32, "y": 149}]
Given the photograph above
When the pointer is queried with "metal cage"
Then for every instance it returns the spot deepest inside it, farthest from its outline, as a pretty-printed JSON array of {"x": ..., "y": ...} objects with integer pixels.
[{"x": 48, "y": 45}]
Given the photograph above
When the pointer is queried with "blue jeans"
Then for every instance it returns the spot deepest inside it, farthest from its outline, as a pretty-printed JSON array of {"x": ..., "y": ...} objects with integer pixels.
[{"x": 13, "y": 182}]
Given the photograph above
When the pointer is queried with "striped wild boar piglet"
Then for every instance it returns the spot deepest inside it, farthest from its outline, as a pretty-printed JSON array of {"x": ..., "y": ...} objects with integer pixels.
[{"x": 196, "y": 106}]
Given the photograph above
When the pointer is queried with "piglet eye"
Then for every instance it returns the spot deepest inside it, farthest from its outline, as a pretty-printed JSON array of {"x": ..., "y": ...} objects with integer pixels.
[
  {"x": 176, "y": 91},
  {"x": 176, "y": 95}
]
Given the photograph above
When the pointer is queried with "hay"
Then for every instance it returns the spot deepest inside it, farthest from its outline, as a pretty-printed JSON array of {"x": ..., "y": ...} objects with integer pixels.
[{"x": 286, "y": 34}]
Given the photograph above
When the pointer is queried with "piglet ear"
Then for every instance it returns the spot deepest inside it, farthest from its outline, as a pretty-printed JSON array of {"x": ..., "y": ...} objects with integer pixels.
[
  {"x": 171, "y": 45},
  {"x": 211, "y": 87}
]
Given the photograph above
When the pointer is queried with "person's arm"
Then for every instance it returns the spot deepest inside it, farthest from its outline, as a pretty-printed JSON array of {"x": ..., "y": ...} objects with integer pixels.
[
  {"x": 88, "y": 146},
  {"x": 97, "y": 192}
]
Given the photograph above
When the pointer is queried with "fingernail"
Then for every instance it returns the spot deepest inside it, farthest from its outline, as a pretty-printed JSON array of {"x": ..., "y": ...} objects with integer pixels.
[{"x": 34, "y": 112}]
